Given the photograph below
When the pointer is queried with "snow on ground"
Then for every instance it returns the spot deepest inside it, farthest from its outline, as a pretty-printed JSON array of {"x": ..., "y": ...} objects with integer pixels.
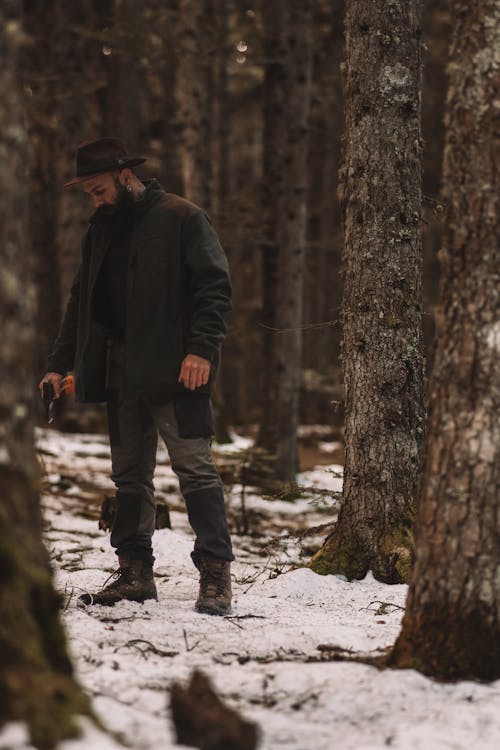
[{"x": 272, "y": 658}]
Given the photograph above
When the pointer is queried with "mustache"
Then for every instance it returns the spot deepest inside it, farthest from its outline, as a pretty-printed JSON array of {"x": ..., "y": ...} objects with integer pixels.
[
  {"x": 109, "y": 209},
  {"x": 124, "y": 202}
]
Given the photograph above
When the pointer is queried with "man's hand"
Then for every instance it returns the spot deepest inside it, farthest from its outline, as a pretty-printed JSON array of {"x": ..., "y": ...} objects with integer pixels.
[
  {"x": 52, "y": 377},
  {"x": 195, "y": 371}
]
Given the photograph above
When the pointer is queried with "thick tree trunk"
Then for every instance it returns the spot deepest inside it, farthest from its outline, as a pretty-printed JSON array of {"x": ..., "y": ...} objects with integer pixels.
[
  {"x": 36, "y": 680},
  {"x": 382, "y": 347},
  {"x": 285, "y": 179},
  {"x": 451, "y": 628}
]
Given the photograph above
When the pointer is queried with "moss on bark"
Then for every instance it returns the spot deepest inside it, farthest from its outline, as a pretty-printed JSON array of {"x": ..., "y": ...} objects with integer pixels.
[
  {"x": 390, "y": 559},
  {"x": 338, "y": 557}
]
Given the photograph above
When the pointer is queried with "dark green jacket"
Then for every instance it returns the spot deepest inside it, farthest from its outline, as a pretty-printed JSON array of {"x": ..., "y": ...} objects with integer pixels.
[{"x": 179, "y": 293}]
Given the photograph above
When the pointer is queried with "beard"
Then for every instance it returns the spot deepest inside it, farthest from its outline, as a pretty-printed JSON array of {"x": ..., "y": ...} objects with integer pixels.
[{"x": 121, "y": 207}]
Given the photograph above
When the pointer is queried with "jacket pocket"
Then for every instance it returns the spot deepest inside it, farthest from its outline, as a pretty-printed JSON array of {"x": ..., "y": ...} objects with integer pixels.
[{"x": 194, "y": 415}]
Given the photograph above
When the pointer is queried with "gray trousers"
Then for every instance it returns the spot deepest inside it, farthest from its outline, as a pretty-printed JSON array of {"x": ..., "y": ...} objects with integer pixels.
[{"x": 134, "y": 424}]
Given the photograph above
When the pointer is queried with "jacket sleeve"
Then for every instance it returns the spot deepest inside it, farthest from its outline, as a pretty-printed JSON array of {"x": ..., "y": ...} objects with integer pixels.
[
  {"x": 209, "y": 286},
  {"x": 62, "y": 358}
]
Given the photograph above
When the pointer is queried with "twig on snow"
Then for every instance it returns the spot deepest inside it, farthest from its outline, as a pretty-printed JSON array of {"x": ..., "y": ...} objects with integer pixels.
[
  {"x": 135, "y": 643},
  {"x": 188, "y": 647},
  {"x": 383, "y": 609},
  {"x": 242, "y": 617}
]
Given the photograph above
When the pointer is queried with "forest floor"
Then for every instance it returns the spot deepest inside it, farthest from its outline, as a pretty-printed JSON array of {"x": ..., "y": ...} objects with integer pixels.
[{"x": 283, "y": 657}]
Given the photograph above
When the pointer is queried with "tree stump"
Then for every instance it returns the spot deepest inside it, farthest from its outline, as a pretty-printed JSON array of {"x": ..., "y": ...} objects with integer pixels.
[{"x": 202, "y": 720}]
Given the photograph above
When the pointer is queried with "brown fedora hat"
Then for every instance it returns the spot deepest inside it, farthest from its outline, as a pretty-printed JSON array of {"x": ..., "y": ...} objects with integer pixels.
[{"x": 102, "y": 155}]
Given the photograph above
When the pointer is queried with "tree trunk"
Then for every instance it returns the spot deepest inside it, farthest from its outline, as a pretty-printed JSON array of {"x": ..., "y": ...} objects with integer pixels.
[
  {"x": 219, "y": 109},
  {"x": 323, "y": 284},
  {"x": 274, "y": 20},
  {"x": 64, "y": 53},
  {"x": 192, "y": 98},
  {"x": 451, "y": 628},
  {"x": 171, "y": 161},
  {"x": 36, "y": 679},
  {"x": 129, "y": 78},
  {"x": 219, "y": 156},
  {"x": 285, "y": 179},
  {"x": 382, "y": 346},
  {"x": 41, "y": 71},
  {"x": 292, "y": 240}
]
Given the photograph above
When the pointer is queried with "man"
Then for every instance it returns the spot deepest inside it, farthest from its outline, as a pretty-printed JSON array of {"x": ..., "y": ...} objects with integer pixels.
[{"x": 142, "y": 331}]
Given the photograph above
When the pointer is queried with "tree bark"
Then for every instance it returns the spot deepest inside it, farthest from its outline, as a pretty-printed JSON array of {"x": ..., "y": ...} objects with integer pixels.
[
  {"x": 171, "y": 161},
  {"x": 192, "y": 98},
  {"x": 64, "y": 53},
  {"x": 451, "y": 627},
  {"x": 129, "y": 76},
  {"x": 382, "y": 344},
  {"x": 41, "y": 71},
  {"x": 274, "y": 20},
  {"x": 218, "y": 11},
  {"x": 323, "y": 283},
  {"x": 287, "y": 104},
  {"x": 292, "y": 240},
  {"x": 36, "y": 680},
  {"x": 219, "y": 109}
]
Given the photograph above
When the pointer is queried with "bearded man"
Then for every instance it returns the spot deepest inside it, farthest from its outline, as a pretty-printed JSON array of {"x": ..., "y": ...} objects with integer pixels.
[{"x": 142, "y": 331}]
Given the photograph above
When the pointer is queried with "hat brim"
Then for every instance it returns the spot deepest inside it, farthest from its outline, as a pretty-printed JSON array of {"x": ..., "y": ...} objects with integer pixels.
[{"x": 128, "y": 163}]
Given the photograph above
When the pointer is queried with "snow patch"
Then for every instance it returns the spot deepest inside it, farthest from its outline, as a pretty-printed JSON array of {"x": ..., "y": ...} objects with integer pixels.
[
  {"x": 239, "y": 443},
  {"x": 325, "y": 447},
  {"x": 15, "y": 736},
  {"x": 265, "y": 658},
  {"x": 302, "y": 585},
  {"x": 91, "y": 738},
  {"x": 324, "y": 477}
]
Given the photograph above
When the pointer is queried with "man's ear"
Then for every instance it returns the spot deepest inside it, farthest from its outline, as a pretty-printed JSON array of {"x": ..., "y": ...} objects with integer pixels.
[{"x": 124, "y": 176}]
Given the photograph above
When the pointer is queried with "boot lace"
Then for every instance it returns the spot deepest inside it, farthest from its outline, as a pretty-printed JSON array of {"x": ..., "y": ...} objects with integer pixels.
[{"x": 117, "y": 578}]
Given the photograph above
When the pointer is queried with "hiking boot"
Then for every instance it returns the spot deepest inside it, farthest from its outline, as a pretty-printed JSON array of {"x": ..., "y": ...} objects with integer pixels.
[
  {"x": 215, "y": 587},
  {"x": 132, "y": 581}
]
